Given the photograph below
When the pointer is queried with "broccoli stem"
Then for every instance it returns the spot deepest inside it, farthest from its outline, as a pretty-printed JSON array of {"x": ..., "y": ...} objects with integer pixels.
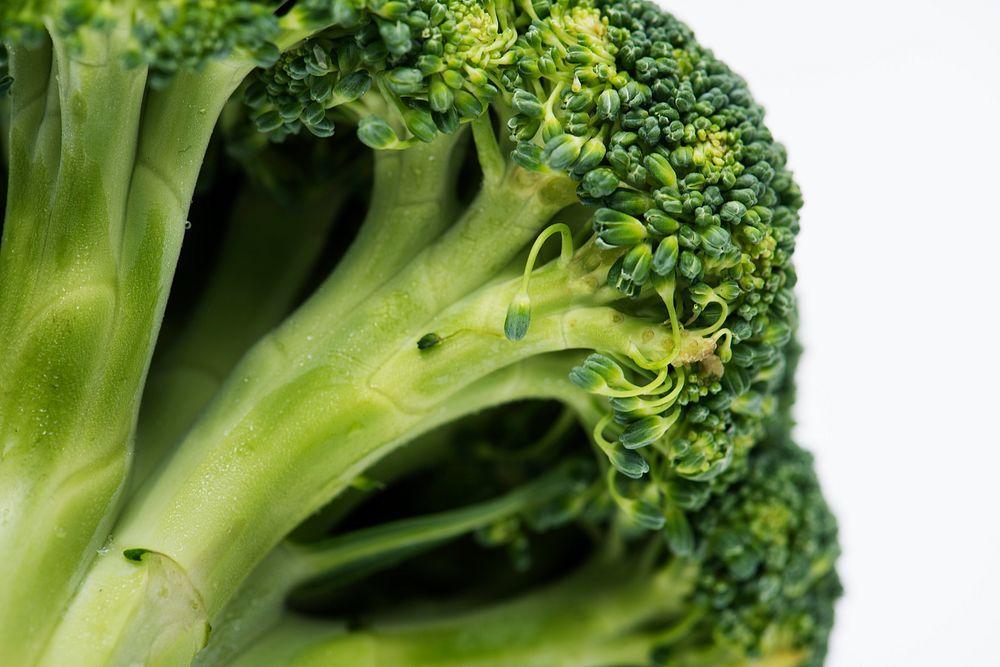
[
  {"x": 263, "y": 269},
  {"x": 602, "y": 615},
  {"x": 63, "y": 431},
  {"x": 204, "y": 479},
  {"x": 259, "y": 603},
  {"x": 270, "y": 248},
  {"x": 91, "y": 235},
  {"x": 115, "y": 604},
  {"x": 499, "y": 223},
  {"x": 538, "y": 378},
  {"x": 262, "y": 457},
  {"x": 413, "y": 201},
  {"x": 375, "y": 411}
]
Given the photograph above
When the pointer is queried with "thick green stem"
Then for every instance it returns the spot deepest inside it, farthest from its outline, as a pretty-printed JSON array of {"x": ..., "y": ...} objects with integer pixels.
[
  {"x": 301, "y": 416},
  {"x": 539, "y": 378},
  {"x": 259, "y": 604},
  {"x": 64, "y": 454},
  {"x": 247, "y": 480},
  {"x": 259, "y": 465},
  {"x": 284, "y": 458},
  {"x": 91, "y": 236},
  {"x": 114, "y": 603},
  {"x": 263, "y": 268},
  {"x": 601, "y": 616}
]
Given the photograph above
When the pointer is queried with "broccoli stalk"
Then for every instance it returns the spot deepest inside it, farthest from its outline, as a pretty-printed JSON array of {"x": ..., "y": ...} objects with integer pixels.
[
  {"x": 275, "y": 404},
  {"x": 260, "y": 601},
  {"x": 298, "y": 388},
  {"x": 112, "y": 107},
  {"x": 98, "y": 191},
  {"x": 102, "y": 174},
  {"x": 595, "y": 618}
]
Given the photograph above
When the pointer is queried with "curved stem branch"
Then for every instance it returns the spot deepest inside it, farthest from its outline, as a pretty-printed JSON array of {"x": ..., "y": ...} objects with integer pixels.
[{"x": 260, "y": 601}]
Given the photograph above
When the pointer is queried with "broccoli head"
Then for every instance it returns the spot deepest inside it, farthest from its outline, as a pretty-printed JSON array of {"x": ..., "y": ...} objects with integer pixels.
[{"x": 392, "y": 172}]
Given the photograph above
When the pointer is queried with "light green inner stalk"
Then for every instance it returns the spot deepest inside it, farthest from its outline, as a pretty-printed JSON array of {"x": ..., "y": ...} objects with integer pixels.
[
  {"x": 264, "y": 267},
  {"x": 260, "y": 602},
  {"x": 260, "y": 274},
  {"x": 323, "y": 397},
  {"x": 600, "y": 616}
]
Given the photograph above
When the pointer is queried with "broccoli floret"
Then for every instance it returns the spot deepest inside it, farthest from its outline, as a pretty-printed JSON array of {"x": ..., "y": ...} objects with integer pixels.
[{"x": 663, "y": 321}]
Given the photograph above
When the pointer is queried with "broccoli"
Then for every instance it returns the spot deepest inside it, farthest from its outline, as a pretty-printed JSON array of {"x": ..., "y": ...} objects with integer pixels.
[{"x": 148, "y": 500}]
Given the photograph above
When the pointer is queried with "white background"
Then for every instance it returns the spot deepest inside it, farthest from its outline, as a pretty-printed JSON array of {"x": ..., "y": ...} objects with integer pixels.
[{"x": 891, "y": 115}]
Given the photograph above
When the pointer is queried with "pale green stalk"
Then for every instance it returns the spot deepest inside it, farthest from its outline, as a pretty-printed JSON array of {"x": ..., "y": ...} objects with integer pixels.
[
  {"x": 283, "y": 457},
  {"x": 265, "y": 264},
  {"x": 100, "y": 181},
  {"x": 260, "y": 601},
  {"x": 289, "y": 432},
  {"x": 270, "y": 248},
  {"x": 594, "y": 618},
  {"x": 413, "y": 200}
]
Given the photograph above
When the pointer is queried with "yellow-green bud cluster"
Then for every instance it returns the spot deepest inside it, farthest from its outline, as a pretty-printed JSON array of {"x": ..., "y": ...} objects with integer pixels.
[
  {"x": 565, "y": 88},
  {"x": 435, "y": 64}
]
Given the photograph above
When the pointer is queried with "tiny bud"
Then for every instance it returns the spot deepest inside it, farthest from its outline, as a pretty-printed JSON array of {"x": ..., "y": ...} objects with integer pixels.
[
  {"x": 598, "y": 373},
  {"x": 600, "y": 182},
  {"x": 644, "y": 432},
  {"x": 645, "y": 515},
  {"x": 527, "y": 104},
  {"x": 631, "y": 201},
  {"x": 421, "y": 123},
  {"x": 375, "y": 133},
  {"x": 268, "y": 121},
  {"x": 427, "y": 341},
  {"x": 562, "y": 151},
  {"x": 660, "y": 170},
  {"x": 467, "y": 105},
  {"x": 732, "y": 212},
  {"x": 404, "y": 80},
  {"x": 690, "y": 265},
  {"x": 591, "y": 155},
  {"x": 528, "y": 156},
  {"x": 615, "y": 228},
  {"x": 320, "y": 87},
  {"x": 352, "y": 86},
  {"x": 322, "y": 128},
  {"x": 665, "y": 257},
  {"x": 515, "y": 326},
  {"x": 441, "y": 97},
  {"x": 636, "y": 265},
  {"x": 660, "y": 223},
  {"x": 629, "y": 463},
  {"x": 608, "y": 104}
]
